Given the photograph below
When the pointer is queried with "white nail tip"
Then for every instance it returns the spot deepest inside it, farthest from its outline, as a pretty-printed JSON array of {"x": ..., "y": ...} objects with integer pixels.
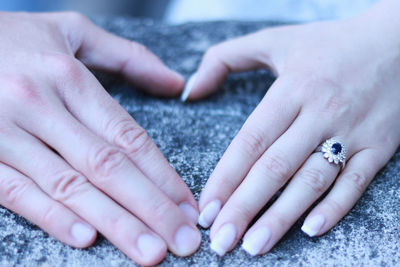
[
  {"x": 224, "y": 239},
  {"x": 220, "y": 251},
  {"x": 188, "y": 87},
  {"x": 209, "y": 213},
  {"x": 308, "y": 231},
  {"x": 313, "y": 225},
  {"x": 254, "y": 243}
]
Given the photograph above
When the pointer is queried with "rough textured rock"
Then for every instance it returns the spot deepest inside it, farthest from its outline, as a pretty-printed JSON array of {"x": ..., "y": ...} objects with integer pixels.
[{"x": 193, "y": 137}]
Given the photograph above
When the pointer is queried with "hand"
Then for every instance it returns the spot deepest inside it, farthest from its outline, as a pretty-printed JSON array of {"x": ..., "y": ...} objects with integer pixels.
[
  {"x": 335, "y": 79},
  {"x": 72, "y": 160}
]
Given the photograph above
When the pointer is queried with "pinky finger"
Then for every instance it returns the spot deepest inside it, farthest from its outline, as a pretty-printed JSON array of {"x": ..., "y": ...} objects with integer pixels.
[
  {"x": 21, "y": 195},
  {"x": 349, "y": 187}
]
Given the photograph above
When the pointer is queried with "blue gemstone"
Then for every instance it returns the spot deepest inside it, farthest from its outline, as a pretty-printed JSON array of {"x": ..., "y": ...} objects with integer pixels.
[{"x": 336, "y": 148}]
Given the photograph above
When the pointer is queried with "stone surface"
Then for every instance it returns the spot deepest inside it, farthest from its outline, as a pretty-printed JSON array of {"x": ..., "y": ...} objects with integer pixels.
[{"x": 193, "y": 137}]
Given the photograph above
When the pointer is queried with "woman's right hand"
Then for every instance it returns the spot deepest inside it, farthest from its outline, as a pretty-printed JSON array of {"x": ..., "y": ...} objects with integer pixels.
[{"x": 72, "y": 160}]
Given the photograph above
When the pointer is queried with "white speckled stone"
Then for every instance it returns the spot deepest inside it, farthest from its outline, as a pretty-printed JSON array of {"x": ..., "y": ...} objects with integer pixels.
[{"x": 193, "y": 137}]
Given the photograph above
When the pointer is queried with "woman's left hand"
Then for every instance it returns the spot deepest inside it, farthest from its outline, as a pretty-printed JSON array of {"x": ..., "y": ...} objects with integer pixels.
[{"x": 338, "y": 79}]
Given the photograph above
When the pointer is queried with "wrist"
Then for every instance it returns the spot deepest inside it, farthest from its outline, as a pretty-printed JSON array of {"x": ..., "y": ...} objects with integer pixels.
[{"x": 382, "y": 19}]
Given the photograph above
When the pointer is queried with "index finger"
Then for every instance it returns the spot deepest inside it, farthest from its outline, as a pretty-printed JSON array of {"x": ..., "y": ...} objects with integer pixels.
[
  {"x": 253, "y": 51},
  {"x": 99, "y": 49}
]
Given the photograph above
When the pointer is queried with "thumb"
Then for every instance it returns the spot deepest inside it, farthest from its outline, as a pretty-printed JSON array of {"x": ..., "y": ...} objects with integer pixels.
[
  {"x": 245, "y": 53},
  {"x": 104, "y": 51}
]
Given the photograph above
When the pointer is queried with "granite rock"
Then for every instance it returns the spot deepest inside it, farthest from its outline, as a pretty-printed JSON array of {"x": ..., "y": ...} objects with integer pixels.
[{"x": 193, "y": 137}]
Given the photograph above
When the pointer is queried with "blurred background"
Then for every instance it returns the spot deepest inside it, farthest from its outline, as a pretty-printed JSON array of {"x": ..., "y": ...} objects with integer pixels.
[{"x": 181, "y": 11}]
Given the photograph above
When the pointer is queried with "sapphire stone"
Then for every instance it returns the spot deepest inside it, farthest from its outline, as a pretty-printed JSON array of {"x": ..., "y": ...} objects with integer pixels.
[{"x": 336, "y": 148}]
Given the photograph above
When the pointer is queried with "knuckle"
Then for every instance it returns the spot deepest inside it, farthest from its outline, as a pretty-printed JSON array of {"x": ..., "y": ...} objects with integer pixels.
[
  {"x": 49, "y": 216},
  {"x": 130, "y": 137},
  {"x": 210, "y": 52},
  {"x": 331, "y": 102},
  {"x": 214, "y": 56},
  {"x": 335, "y": 207},
  {"x": 335, "y": 105},
  {"x": 307, "y": 85},
  {"x": 312, "y": 84},
  {"x": 136, "y": 50},
  {"x": 243, "y": 212},
  {"x": 118, "y": 223},
  {"x": 63, "y": 66},
  {"x": 215, "y": 50},
  {"x": 67, "y": 184},
  {"x": 276, "y": 168},
  {"x": 213, "y": 53},
  {"x": 360, "y": 182},
  {"x": 75, "y": 17},
  {"x": 104, "y": 160},
  {"x": 22, "y": 88},
  {"x": 161, "y": 208},
  {"x": 314, "y": 179},
  {"x": 139, "y": 48},
  {"x": 12, "y": 190},
  {"x": 279, "y": 219},
  {"x": 252, "y": 142},
  {"x": 221, "y": 182},
  {"x": 282, "y": 221}
]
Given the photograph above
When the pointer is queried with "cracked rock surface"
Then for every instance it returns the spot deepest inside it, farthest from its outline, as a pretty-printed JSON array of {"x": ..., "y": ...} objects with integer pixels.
[{"x": 193, "y": 137}]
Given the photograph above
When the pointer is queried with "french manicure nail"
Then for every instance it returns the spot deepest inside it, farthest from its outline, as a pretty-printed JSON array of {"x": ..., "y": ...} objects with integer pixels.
[
  {"x": 150, "y": 246},
  {"x": 224, "y": 239},
  {"x": 190, "y": 212},
  {"x": 188, "y": 87},
  {"x": 187, "y": 240},
  {"x": 255, "y": 241},
  {"x": 209, "y": 213},
  {"x": 313, "y": 225},
  {"x": 82, "y": 232}
]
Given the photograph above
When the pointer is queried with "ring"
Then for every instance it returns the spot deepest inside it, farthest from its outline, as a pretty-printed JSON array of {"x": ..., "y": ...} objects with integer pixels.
[{"x": 334, "y": 151}]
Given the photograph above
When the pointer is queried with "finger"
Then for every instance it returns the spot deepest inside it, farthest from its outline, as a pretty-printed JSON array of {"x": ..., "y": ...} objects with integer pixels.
[
  {"x": 69, "y": 187},
  {"x": 348, "y": 188},
  {"x": 19, "y": 194},
  {"x": 308, "y": 184},
  {"x": 253, "y": 51},
  {"x": 98, "y": 111},
  {"x": 102, "y": 50},
  {"x": 266, "y": 124},
  {"x": 108, "y": 168},
  {"x": 274, "y": 168}
]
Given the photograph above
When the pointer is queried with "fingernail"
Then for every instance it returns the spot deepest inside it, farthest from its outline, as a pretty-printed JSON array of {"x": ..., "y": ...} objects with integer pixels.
[
  {"x": 190, "y": 212},
  {"x": 82, "y": 232},
  {"x": 313, "y": 225},
  {"x": 150, "y": 246},
  {"x": 187, "y": 240},
  {"x": 224, "y": 239},
  {"x": 188, "y": 87},
  {"x": 209, "y": 213},
  {"x": 255, "y": 241}
]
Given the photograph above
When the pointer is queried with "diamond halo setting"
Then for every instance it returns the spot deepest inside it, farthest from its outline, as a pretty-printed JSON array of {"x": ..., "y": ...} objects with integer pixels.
[{"x": 334, "y": 151}]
